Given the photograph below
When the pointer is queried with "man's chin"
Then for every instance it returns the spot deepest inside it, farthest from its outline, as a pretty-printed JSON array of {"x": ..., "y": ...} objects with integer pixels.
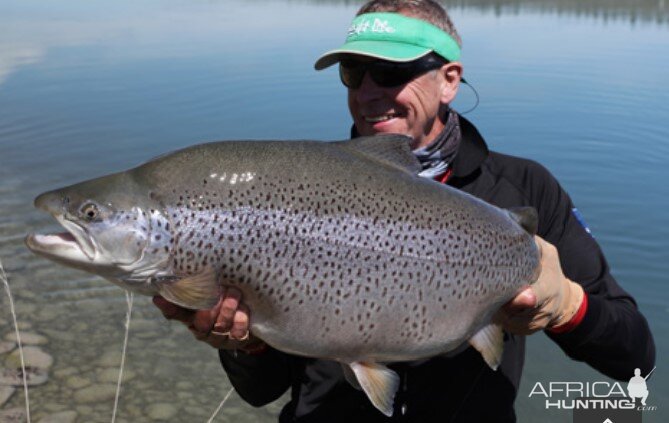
[{"x": 390, "y": 126}]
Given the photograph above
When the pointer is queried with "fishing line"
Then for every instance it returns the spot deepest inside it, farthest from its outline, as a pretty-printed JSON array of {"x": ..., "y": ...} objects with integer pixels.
[
  {"x": 469, "y": 393},
  {"x": 211, "y": 419},
  {"x": 128, "y": 300},
  {"x": 3, "y": 277}
]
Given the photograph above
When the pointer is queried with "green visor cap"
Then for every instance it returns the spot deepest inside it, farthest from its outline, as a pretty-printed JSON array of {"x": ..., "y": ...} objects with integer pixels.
[{"x": 393, "y": 37}]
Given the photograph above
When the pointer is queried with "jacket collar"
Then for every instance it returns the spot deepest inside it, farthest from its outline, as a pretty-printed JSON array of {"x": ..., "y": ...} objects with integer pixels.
[{"x": 472, "y": 152}]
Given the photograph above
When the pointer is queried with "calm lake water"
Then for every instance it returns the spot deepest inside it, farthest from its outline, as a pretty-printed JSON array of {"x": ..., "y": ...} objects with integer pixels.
[{"x": 90, "y": 87}]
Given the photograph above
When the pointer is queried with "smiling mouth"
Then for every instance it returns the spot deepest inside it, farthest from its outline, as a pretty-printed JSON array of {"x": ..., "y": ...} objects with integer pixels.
[{"x": 381, "y": 118}]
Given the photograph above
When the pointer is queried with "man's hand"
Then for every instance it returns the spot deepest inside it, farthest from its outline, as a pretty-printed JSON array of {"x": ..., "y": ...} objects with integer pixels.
[
  {"x": 549, "y": 302},
  {"x": 225, "y": 326}
]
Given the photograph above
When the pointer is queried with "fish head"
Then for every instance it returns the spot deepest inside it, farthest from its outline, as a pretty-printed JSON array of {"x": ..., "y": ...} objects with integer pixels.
[{"x": 114, "y": 228}]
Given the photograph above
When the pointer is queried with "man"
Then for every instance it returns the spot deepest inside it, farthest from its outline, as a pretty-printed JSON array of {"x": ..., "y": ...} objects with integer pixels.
[
  {"x": 401, "y": 70},
  {"x": 636, "y": 387}
]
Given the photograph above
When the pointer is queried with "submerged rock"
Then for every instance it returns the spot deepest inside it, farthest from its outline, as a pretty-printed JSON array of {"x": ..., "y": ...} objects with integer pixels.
[
  {"x": 14, "y": 377},
  {"x": 6, "y": 346},
  {"x": 33, "y": 357},
  {"x": 28, "y": 338},
  {"x": 60, "y": 417},
  {"x": 110, "y": 359},
  {"x": 95, "y": 393},
  {"x": 65, "y": 372},
  {"x": 6, "y": 393},
  {"x": 13, "y": 415},
  {"x": 77, "y": 382},
  {"x": 24, "y": 324},
  {"x": 111, "y": 375},
  {"x": 161, "y": 411}
]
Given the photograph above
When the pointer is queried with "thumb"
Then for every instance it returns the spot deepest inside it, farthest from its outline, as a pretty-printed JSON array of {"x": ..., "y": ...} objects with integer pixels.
[{"x": 524, "y": 300}]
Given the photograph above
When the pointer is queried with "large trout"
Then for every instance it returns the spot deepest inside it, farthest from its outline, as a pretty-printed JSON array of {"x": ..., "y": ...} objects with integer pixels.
[{"x": 340, "y": 250}]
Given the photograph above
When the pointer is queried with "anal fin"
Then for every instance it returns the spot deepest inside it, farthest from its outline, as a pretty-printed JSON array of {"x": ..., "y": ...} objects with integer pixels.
[
  {"x": 197, "y": 292},
  {"x": 379, "y": 383},
  {"x": 489, "y": 341},
  {"x": 350, "y": 377}
]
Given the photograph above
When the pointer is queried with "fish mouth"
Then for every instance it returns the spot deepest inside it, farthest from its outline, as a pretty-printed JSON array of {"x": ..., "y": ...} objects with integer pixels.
[{"x": 73, "y": 245}]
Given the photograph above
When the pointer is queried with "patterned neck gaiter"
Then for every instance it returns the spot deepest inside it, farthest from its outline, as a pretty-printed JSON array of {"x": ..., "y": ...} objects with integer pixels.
[{"x": 437, "y": 156}]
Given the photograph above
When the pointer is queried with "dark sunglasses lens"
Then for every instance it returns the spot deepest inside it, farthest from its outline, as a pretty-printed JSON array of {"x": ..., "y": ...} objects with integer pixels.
[
  {"x": 351, "y": 74},
  {"x": 392, "y": 75},
  {"x": 384, "y": 74}
]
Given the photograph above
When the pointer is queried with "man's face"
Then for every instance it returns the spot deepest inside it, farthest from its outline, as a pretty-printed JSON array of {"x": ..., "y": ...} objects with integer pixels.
[{"x": 411, "y": 109}]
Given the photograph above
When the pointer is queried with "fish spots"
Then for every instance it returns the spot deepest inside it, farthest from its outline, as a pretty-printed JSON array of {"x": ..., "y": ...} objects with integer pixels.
[{"x": 350, "y": 256}]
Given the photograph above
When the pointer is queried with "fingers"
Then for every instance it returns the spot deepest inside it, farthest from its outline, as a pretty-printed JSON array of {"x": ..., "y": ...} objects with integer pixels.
[
  {"x": 524, "y": 325},
  {"x": 173, "y": 311},
  {"x": 233, "y": 316},
  {"x": 229, "y": 304},
  {"x": 199, "y": 322},
  {"x": 537, "y": 306},
  {"x": 203, "y": 320},
  {"x": 525, "y": 300},
  {"x": 520, "y": 315},
  {"x": 240, "y": 324},
  {"x": 223, "y": 326},
  {"x": 238, "y": 337},
  {"x": 522, "y": 322}
]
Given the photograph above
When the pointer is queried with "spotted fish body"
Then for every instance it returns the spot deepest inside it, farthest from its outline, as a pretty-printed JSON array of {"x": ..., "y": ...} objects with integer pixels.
[{"x": 340, "y": 250}]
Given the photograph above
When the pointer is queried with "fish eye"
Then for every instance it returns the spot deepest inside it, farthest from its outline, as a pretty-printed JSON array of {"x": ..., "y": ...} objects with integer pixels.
[{"x": 90, "y": 211}]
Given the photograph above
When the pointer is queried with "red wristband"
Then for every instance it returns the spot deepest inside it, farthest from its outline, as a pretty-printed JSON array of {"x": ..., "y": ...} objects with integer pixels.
[{"x": 575, "y": 321}]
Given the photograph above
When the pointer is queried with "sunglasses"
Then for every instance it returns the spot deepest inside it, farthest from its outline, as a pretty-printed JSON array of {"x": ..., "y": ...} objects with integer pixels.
[{"x": 384, "y": 73}]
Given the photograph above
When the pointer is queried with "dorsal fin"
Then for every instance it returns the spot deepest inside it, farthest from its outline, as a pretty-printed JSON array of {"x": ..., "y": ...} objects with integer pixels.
[
  {"x": 526, "y": 217},
  {"x": 391, "y": 149}
]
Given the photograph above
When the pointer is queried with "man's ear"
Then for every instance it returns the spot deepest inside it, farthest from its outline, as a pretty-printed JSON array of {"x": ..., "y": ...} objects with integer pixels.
[{"x": 452, "y": 73}]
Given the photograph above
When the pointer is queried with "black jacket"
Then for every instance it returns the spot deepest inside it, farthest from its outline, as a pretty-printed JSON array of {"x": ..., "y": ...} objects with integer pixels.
[{"x": 613, "y": 337}]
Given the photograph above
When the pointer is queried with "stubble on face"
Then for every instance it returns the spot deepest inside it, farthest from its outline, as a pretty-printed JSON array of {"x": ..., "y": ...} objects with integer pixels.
[{"x": 411, "y": 109}]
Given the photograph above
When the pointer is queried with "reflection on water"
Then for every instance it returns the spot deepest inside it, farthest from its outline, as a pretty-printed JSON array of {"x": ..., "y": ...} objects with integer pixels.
[
  {"x": 89, "y": 87},
  {"x": 51, "y": 26},
  {"x": 630, "y": 10}
]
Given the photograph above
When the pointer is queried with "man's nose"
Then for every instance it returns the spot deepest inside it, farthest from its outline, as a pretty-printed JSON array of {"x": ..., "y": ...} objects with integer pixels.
[{"x": 368, "y": 90}]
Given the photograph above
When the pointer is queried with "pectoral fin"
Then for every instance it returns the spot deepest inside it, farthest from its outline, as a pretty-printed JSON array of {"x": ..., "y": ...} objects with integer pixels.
[
  {"x": 350, "y": 376},
  {"x": 489, "y": 341},
  {"x": 197, "y": 292},
  {"x": 379, "y": 383}
]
